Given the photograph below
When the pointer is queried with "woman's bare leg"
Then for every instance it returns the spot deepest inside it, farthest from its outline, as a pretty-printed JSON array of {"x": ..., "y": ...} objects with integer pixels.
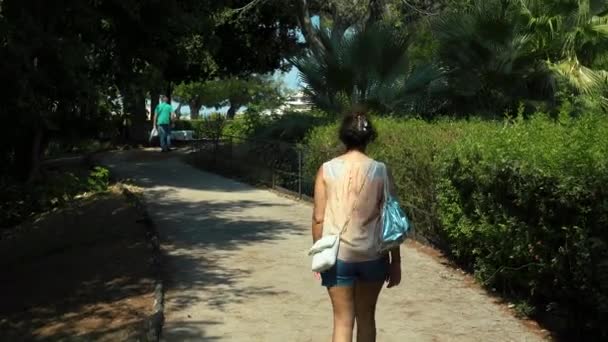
[
  {"x": 343, "y": 302},
  {"x": 366, "y": 297}
]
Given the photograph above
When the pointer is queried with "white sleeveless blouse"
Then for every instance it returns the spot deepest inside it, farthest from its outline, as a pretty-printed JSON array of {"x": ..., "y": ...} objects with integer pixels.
[{"x": 343, "y": 180}]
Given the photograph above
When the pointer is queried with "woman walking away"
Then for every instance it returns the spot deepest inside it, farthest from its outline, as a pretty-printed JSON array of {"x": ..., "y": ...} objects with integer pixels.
[{"x": 349, "y": 194}]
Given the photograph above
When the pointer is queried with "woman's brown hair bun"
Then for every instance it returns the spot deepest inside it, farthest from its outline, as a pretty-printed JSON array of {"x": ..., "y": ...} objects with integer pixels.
[{"x": 357, "y": 131}]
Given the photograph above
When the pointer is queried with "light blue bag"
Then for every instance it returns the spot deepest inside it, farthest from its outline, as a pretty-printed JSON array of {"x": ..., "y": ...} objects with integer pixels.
[{"x": 395, "y": 224}]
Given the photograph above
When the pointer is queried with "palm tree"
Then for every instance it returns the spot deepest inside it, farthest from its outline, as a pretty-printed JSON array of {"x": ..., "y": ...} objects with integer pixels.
[
  {"x": 368, "y": 67},
  {"x": 490, "y": 57},
  {"x": 502, "y": 52},
  {"x": 574, "y": 35}
]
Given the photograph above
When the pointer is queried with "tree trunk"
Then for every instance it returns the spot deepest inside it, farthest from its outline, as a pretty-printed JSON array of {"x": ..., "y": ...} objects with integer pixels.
[
  {"x": 28, "y": 154},
  {"x": 138, "y": 127},
  {"x": 154, "y": 100},
  {"x": 178, "y": 110},
  {"x": 168, "y": 90},
  {"x": 195, "y": 108},
  {"x": 338, "y": 29},
  {"x": 35, "y": 155},
  {"x": 232, "y": 111},
  {"x": 134, "y": 103},
  {"x": 378, "y": 9},
  {"x": 307, "y": 28}
]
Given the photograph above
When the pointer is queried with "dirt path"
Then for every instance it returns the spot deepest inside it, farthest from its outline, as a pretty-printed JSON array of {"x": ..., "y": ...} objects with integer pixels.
[
  {"x": 79, "y": 273},
  {"x": 238, "y": 269}
]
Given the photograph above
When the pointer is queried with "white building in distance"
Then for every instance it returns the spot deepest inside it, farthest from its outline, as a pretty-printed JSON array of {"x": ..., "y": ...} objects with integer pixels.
[{"x": 295, "y": 103}]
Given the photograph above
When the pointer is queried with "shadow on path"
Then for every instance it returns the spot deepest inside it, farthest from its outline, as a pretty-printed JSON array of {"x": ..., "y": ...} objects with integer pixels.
[
  {"x": 151, "y": 169},
  {"x": 79, "y": 273},
  {"x": 201, "y": 226}
]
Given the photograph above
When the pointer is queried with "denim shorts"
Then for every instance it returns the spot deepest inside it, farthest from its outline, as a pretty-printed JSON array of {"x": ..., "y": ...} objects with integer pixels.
[{"x": 345, "y": 273}]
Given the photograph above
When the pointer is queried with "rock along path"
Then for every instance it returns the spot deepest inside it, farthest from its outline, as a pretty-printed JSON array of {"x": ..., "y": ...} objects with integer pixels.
[{"x": 237, "y": 269}]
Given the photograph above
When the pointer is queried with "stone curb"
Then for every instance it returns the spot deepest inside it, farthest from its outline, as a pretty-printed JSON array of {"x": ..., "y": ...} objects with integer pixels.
[{"x": 155, "y": 321}]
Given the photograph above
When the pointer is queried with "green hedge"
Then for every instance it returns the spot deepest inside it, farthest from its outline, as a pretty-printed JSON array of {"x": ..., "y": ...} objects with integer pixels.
[
  {"x": 523, "y": 204},
  {"x": 527, "y": 207},
  {"x": 217, "y": 124},
  {"x": 290, "y": 127},
  {"x": 187, "y": 125}
]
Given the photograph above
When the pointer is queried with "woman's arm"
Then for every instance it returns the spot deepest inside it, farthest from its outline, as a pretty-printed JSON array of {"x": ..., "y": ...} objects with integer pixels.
[
  {"x": 395, "y": 254},
  {"x": 394, "y": 269},
  {"x": 392, "y": 189},
  {"x": 318, "y": 214},
  {"x": 394, "y": 277}
]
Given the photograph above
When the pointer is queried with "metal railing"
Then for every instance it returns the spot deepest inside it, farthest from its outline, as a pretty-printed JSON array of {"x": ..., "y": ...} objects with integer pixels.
[{"x": 276, "y": 164}]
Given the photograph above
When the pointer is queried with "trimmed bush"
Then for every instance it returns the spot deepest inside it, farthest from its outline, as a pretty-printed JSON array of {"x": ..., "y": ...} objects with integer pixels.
[
  {"x": 290, "y": 127},
  {"x": 189, "y": 125},
  {"x": 245, "y": 126},
  {"x": 526, "y": 206},
  {"x": 211, "y": 126}
]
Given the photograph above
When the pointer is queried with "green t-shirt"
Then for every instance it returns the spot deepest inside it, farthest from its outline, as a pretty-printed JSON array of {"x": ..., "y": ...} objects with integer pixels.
[{"x": 163, "y": 113}]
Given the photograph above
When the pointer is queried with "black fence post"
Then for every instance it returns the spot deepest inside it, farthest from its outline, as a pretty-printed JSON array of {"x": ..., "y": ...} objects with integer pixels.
[
  {"x": 215, "y": 148},
  {"x": 300, "y": 172},
  {"x": 230, "y": 156},
  {"x": 256, "y": 160}
]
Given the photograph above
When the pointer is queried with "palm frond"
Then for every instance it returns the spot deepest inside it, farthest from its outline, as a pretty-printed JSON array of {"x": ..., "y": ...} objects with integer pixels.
[
  {"x": 598, "y": 7},
  {"x": 600, "y": 26},
  {"x": 368, "y": 66},
  {"x": 585, "y": 80}
]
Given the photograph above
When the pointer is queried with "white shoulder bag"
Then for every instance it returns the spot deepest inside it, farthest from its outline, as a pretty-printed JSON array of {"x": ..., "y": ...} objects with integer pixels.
[{"x": 325, "y": 251}]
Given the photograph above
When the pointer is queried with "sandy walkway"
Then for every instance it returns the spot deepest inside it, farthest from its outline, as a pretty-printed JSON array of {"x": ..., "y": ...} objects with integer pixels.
[{"x": 238, "y": 270}]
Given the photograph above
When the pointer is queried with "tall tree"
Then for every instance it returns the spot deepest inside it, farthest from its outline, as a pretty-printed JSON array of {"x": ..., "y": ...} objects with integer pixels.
[
  {"x": 139, "y": 39},
  {"x": 340, "y": 15},
  {"x": 198, "y": 94},
  {"x": 257, "y": 41},
  {"x": 241, "y": 42},
  {"x": 231, "y": 92},
  {"x": 243, "y": 92},
  {"x": 47, "y": 58}
]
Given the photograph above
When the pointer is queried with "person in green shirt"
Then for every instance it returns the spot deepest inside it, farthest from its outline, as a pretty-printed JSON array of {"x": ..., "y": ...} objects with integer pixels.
[{"x": 162, "y": 122}]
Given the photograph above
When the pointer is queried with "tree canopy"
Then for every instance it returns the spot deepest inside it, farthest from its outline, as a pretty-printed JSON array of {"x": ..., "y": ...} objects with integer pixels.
[
  {"x": 77, "y": 66},
  {"x": 232, "y": 92},
  {"x": 70, "y": 62},
  {"x": 495, "y": 55}
]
